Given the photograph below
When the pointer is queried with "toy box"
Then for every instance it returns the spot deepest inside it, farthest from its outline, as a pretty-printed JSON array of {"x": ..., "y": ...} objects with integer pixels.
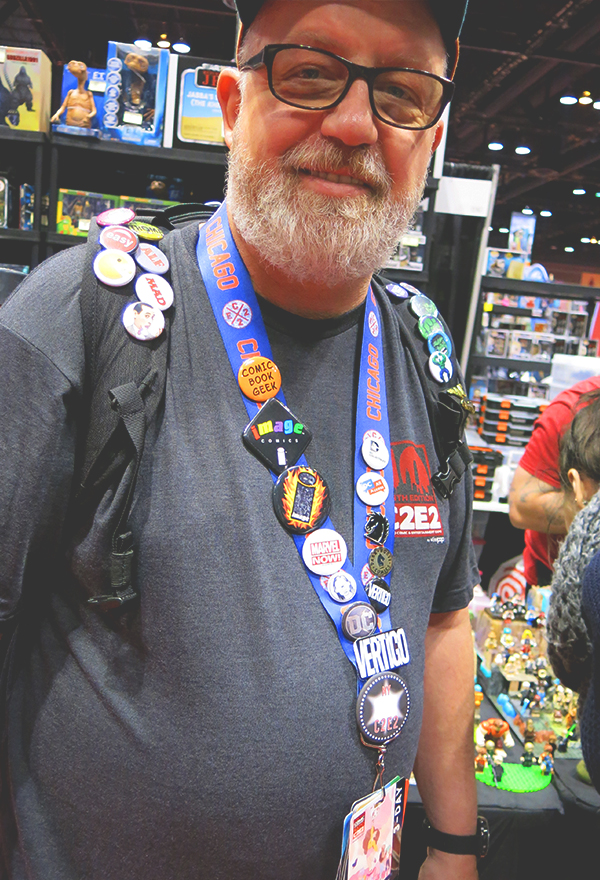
[
  {"x": 193, "y": 115},
  {"x": 25, "y": 88},
  {"x": 134, "y": 98},
  {"x": 76, "y": 208},
  {"x": 26, "y": 206},
  {"x": 96, "y": 84},
  {"x": 6, "y": 202},
  {"x": 504, "y": 263},
  {"x": 145, "y": 205}
]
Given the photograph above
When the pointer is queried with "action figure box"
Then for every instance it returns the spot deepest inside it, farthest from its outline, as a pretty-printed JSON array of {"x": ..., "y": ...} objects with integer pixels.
[
  {"x": 26, "y": 206},
  {"x": 144, "y": 205},
  {"x": 502, "y": 263},
  {"x": 25, "y": 88},
  {"x": 74, "y": 111},
  {"x": 76, "y": 208},
  {"x": 495, "y": 343},
  {"x": 193, "y": 115},
  {"x": 6, "y": 202},
  {"x": 134, "y": 98},
  {"x": 408, "y": 256}
]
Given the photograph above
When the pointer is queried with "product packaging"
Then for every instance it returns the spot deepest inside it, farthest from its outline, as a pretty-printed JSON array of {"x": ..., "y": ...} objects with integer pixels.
[
  {"x": 134, "y": 98},
  {"x": 96, "y": 84},
  {"x": 193, "y": 115},
  {"x": 26, "y": 206},
  {"x": 76, "y": 208},
  {"x": 504, "y": 263},
  {"x": 25, "y": 88}
]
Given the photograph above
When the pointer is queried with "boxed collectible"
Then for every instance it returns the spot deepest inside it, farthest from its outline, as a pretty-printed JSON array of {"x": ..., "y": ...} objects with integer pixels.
[
  {"x": 82, "y": 99},
  {"x": 141, "y": 204},
  {"x": 26, "y": 206},
  {"x": 6, "y": 202},
  {"x": 193, "y": 115},
  {"x": 134, "y": 98},
  {"x": 577, "y": 325},
  {"x": 76, "y": 208},
  {"x": 25, "y": 88},
  {"x": 496, "y": 343},
  {"x": 503, "y": 263}
]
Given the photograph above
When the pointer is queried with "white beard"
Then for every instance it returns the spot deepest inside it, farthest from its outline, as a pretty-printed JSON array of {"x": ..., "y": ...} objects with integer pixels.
[{"x": 309, "y": 236}]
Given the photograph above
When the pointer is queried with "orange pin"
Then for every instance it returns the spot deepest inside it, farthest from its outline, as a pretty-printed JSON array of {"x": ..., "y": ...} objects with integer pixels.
[{"x": 259, "y": 378}]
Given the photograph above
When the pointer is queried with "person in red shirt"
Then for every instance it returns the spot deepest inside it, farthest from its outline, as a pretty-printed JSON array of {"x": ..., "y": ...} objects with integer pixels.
[{"x": 536, "y": 497}]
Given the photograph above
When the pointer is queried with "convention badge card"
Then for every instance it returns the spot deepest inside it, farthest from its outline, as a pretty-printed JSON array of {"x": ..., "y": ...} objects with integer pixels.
[
  {"x": 399, "y": 809},
  {"x": 371, "y": 835}
]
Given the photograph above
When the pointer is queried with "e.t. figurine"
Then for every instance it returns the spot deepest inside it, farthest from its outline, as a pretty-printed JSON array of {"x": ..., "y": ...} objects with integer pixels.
[{"x": 79, "y": 103}]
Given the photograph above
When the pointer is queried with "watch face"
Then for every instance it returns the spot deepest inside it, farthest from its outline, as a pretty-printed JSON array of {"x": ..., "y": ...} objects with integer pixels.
[{"x": 483, "y": 834}]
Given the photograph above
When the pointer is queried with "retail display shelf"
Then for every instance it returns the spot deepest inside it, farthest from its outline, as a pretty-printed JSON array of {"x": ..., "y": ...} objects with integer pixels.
[
  {"x": 12, "y": 134},
  {"x": 551, "y": 289},
  {"x": 216, "y": 156},
  {"x": 511, "y": 363},
  {"x": 19, "y": 234}
]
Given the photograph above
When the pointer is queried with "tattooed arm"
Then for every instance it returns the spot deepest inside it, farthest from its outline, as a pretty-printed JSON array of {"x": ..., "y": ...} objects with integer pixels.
[{"x": 536, "y": 505}]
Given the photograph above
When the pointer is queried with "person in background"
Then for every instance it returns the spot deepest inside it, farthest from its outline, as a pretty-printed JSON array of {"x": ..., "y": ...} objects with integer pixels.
[{"x": 537, "y": 495}]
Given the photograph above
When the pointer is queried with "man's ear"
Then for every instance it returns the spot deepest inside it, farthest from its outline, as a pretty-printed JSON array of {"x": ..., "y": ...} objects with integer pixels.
[
  {"x": 439, "y": 131},
  {"x": 230, "y": 98}
]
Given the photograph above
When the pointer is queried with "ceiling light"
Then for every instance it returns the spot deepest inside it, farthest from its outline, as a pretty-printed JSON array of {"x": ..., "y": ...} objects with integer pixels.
[
  {"x": 522, "y": 151},
  {"x": 545, "y": 213},
  {"x": 527, "y": 211},
  {"x": 143, "y": 43},
  {"x": 490, "y": 228},
  {"x": 593, "y": 241},
  {"x": 495, "y": 145},
  {"x": 504, "y": 229},
  {"x": 585, "y": 240},
  {"x": 182, "y": 47},
  {"x": 579, "y": 192},
  {"x": 585, "y": 98},
  {"x": 596, "y": 105},
  {"x": 568, "y": 99},
  {"x": 163, "y": 43},
  {"x": 569, "y": 250}
]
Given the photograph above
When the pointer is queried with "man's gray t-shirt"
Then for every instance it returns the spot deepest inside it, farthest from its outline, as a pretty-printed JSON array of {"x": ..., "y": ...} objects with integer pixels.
[{"x": 208, "y": 733}]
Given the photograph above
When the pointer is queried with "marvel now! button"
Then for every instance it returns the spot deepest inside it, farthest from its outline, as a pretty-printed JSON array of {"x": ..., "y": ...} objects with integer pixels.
[
  {"x": 259, "y": 378},
  {"x": 324, "y": 551}
]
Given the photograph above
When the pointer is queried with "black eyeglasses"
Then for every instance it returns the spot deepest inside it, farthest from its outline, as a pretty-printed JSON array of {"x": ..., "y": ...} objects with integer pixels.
[{"x": 315, "y": 79}]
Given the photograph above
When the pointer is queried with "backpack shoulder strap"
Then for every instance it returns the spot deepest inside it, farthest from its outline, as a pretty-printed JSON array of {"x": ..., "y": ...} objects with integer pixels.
[{"x": 447, "y": 404}]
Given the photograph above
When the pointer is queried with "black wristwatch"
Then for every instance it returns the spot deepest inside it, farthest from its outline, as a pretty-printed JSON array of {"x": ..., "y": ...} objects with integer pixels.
[{"x": 460, "y": 845}]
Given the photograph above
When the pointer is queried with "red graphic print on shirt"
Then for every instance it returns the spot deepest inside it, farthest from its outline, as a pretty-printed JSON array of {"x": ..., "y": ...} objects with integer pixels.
[{"x": 415, "y": 505}]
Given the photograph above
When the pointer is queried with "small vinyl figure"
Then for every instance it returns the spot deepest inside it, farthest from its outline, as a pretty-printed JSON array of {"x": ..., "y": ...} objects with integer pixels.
[
  {"x": 529, "y": 732},
  {"x": 528, "y": 759},
  {"x": 478, "y": 701},
  {"x": 497, "y": 769},
  {"x": 481, "y": 761},
  {"x": 546, "y": 761},
  {"x": 79, "y": 103},
  {"x": 527, "y": 642}
]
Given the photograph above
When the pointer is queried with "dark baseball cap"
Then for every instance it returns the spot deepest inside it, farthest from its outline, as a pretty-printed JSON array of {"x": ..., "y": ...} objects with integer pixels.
[{"x": 450, "y": 15}]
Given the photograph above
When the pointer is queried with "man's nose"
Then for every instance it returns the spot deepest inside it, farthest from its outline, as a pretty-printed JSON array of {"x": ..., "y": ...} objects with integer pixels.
[{"x": 352, "y": 122}]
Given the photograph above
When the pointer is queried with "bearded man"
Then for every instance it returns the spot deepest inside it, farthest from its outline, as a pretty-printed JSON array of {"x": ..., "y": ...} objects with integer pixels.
[{"x": 210, "y": 727}]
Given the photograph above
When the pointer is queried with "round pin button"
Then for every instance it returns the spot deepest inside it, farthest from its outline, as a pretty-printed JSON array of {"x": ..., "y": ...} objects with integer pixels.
[
  {"x": 150, "y": 258},
  {"x": 428, "y": 325},
  {"x": 259, "y": 378},
  {"x": 440, "y": 367},
  {"x": 324, "y": 551},
  {"x": 381, "y": 561},
  {"x": 341, "y": 587},
  {"x": 359, "y": 621},
  {"x": 410, "y": 289},
  {"x": 301, "y": 500},
  {"x": 421, "y": 306},
  {"x": 374, "y": 451},
  {"x": 379, "y": 594},
  {"x": 114, "y": 268},
  {"x": 115, "y": 217},
  {"x": 382, "y": 708},
  {"x": 155, "y": 290},
  {"x": 146, "y": 230},
  {"x": 119, "y": 238},
  {"x": 372, "y": 489},
  {"x": 377, "y": 528},
  {"x": 397, "y": 290},
  {"x": 440, "y": 341},
  {"x": 143, "y": 321}
]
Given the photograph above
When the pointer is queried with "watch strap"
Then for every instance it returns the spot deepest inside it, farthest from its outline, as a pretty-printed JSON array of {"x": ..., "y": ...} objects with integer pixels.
[{"x": 458, "y": 844}]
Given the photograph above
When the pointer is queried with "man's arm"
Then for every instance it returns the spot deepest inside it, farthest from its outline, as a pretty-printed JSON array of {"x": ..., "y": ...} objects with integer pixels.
[
  {"x": 444, "y": 767},
  {"x": 536, "y": 505}
]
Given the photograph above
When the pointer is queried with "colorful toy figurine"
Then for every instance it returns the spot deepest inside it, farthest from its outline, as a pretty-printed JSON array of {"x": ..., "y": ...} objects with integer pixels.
[
  {"x": 497, "y": 769},
  {"x": 527, "y": 642},
  {"x": 528, "y": 759},
  {"x": 79, "y": 103},
  {"x": 478, "y": 701},
  {"x": 481, "y": 761},
  {"x": 546, "y": 761}
]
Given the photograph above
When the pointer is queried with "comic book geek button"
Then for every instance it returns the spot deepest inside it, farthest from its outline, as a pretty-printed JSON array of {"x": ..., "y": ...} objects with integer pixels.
[
  {"x": 115, "y": 217},
  {"x": 341, "y": 587},
  {"x": 119, "y": 238},
  {"x": 428, "y": 325},
  {"x": 259, "y": 378},
  {"x": 359, "y": 621},
  {"x": 440, "y": 367},
  {"x": 377, "y": 528},
  {"x": 143, "y": 321},
  {"x": 324, "y": 552},
  {"x": 114, "y": 268},
  {"x": 154, "y": 290},
  {"x": 372, "y": 489},
  {"x": 379, "y": 594},
  {"x": 301, "y": 501},
  {"x": 421, "y": 305},
  {"x": 381, "y": 561},
  {"x": 440, "y": 341},
  {"x": 382, "y": 708},
  {"x": 374, "y": 450},
  {"x": 146, "y": 230},
  {"x": 151, "y": 259}
]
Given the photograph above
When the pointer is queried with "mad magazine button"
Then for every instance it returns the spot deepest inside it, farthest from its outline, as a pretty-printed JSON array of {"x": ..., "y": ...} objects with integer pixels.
[
  {"x": 374, "y": 451},
  {"x": 341, "y": 586},
  {"x": 379, "y": 594},
  {"x": 358, "y": 621},
  {"x": 377, "y": 528},
  {"x": 154, "y": 290},
  {"x": 119, "y": 238},
  {"x": 151, "y": 259},
  {"x": 259, "y": 378},
  {"x": 440, "y": 341},
  {"x": 382, "y": 708},
  {"x": 301, "y": 502},
  {"x": 440, "y": 367},
  {"x": 143, "y": 321},
  {"x": 146, "y": 230},
  {"x": 429, "y": 324},
  {"x": 276, "y": 437},
  {"x": 114, "y": 268},
  {"x": 381, "y": 561},
  {"x": 115, "y": 217},
  {"x": 421, "y": 306},
  {"x": 372, "y": 489},
  {"x": 324, "y": 552}
]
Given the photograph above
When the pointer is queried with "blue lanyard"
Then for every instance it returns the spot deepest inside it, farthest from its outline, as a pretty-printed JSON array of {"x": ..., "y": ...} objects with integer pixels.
[{"x": 230, "y": 289}]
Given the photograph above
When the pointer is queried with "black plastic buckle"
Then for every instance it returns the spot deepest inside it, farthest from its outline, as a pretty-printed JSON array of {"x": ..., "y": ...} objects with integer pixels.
[
  {"x": 445, "y": 482},
  {"x": 111, "y": 601}
]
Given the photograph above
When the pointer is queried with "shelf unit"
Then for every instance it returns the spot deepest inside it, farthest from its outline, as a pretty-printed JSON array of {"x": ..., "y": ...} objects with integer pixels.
[{"x": 22, "y": 155}]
